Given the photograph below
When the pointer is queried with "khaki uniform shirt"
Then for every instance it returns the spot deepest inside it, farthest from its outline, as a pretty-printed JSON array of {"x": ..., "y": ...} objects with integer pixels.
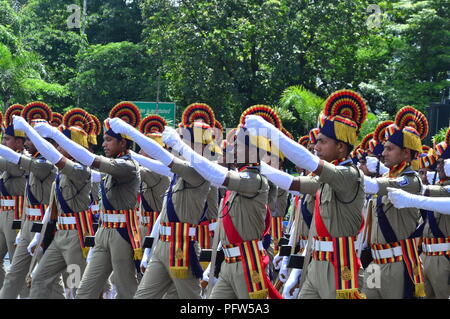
[
  {"x": 188, "y": 194},
  {"x": 121, "y": 182},
  {"x": 442, "y": 220},
  {"x": 154, "y": 187},
  {"x": 247, "y": 203},
  {"x": 341, "y": 198},
  {"x": 403, "y": 221},
  {"x": 75, "y": 183},
  {"x": 42, "y": 174}
]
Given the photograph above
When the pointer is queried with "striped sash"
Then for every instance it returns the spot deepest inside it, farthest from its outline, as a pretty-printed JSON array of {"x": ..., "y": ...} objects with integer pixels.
[{"x": 276, "y": 231}]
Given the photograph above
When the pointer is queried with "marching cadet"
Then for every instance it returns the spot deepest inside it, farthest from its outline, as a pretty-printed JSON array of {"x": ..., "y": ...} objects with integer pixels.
[
  {"x": 436, "y": 234},
  {"x": 244, "y": 212},
  {"x": 394, "y": 248},
  {"x": 337, "y": 219},
  {"x": 153, "y": 184},
  {"x": 117, "y": 241},
  {"x": 41, "y": 174},
  {"x": 12, "y": 187},
  {"x": 69, "y": 204},
  {"x": 175, "y": 259}
]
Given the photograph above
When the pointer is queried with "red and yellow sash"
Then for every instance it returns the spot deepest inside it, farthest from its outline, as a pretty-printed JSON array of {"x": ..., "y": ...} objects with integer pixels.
[
  {"x": 431, "y": 241},
  {"x": 83, "y": 227},
  {"x": 252, "y": 259},
  {"x": 132, "y": 226},
  {"x": 204, "y": 235},
  {"x": 343, "y": 258},
  {"x": 41, "y": 207},
  {"x": 152, "y": 217},
  {"x": 17, "y": 208},
  {"x": 413, "y": 265},
  {"x": 396, "y": 170},
  {"x": 179, "y": 248},
  {"x": 276, "y": 231}
]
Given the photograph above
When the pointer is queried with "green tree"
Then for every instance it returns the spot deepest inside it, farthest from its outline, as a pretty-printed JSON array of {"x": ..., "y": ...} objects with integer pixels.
[{"x": 112, "y": 73}]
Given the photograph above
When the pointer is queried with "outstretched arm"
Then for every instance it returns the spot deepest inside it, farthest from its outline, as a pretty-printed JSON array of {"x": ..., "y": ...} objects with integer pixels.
[
  {"x": 153, "y": 165},
  {"x": 212, "y": 172},
  {"x": 299, "y": 155},
  {"x": 402, "y": 199}
]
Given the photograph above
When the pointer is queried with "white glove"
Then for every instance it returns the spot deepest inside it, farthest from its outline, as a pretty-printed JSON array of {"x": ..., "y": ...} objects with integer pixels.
[
  {"x": 210, "y": 171},
  {"x": 9, "y": 154},
  {"x": 44, "y": 147},
  {"x": 89, "y": 256},
  {"x": 299, "y": 155},
  {"x": 401, "y": 199},
  {"x": 77, "y": 151},
  {"x": 33, "y": 243},
  {"x": 153, "y": 165},
  {"x": 147, "y": 144},
  {"x": 283, "y": 274},
  {"x": 371, "y": 185},
  {"x": 18, "y": 237},
  {"x": 289, "y": 292},
  {"x": 447, "y": 167},
  {"x": 145, "y": 259},
  {"x": 96, "y": 177},
  {"x": 372, "y": 163},
  {"x": 431, "y": 177},
  {"x": 206, "y": 273},
  {"x": 276, "y": 261},
  {"x": 279, "y": 178}
]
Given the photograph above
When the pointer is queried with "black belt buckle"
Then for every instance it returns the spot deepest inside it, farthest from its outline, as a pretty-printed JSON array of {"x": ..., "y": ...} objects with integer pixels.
[
  {"x": 89, "y": 241},
  {"x": 205, "y": 255},
  {"x": 148, "y": 242},
  {"x": 37, "y": 227},
  {"x": 285, "y": 250},
  {"x": 283, "y": 241},
  {"x": 296, "y": 261},
  {"x": 17, "y": 223}
]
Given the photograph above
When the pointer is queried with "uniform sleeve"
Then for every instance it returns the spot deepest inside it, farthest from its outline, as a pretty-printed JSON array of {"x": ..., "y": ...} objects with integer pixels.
[
  {"x": 39, "y": 167},
  {"x": 438, "y": 191},
  {"x": 248, "y": 185},
  {"x": 342, "y": 179},
  {"x": 272, "y": 197},
  {"x": 308, "y": 184},
  {"x": 408, "y": 183},
  {"x": 188, "y": 173},
  {"x": 149, "y": 177},
  {"x": 77, "y": 173},
  {"x": 12, "y": 169},
  {"x": 119, "y": 168}
]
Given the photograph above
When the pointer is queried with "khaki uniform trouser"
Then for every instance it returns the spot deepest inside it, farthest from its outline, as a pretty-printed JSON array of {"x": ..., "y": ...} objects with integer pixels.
[
  {"x": 63, "y": 254},
  {"x": 157, "y": 280},
  {"x": 14, "y": 282},
  {"x": 7, "y": 240},
  {"x": 231, "y": 283},
  {"x": 112, "y": 253},
  {"x": 436, "y": 272},
  {"x": 320, "y": 281},
  {"x": 391, "y": 283}
]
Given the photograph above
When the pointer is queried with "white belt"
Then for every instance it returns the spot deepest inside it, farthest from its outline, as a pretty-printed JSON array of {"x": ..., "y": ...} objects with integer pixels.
[
  {"x": 67, "y": 220},
  {"x": 95, "y": 208},
  {"x": 114, "y": 218},
  {"x": 433, "y": 248},
  {"x": 303, "y": 243},
  {"x": 166, "y": 231},
  {"x": 145, "y": 219},
  {"x": 387, "y": 253},
  {"x": 212, "y": 226},
  {"x": 326, "y": 246},
  {"x": 33, "y": 212},
  {"x": 8, "y": 203},
  {"x": 236, "y": 252}
]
